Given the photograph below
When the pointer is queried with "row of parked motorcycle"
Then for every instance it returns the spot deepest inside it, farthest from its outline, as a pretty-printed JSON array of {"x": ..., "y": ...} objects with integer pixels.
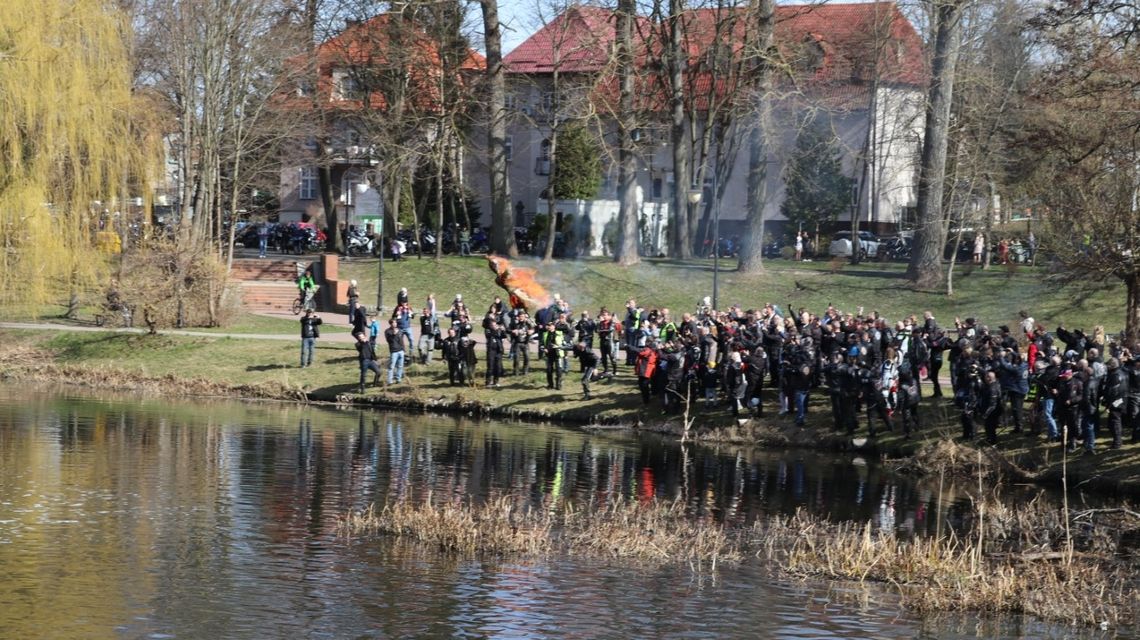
[{"x": 294, "y": 237}]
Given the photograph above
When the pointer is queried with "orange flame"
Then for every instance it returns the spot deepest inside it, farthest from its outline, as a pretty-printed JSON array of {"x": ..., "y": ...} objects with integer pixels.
[{"x": 519, "y": 284}]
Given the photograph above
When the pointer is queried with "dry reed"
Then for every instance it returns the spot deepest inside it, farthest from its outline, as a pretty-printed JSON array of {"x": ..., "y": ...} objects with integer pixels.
[
  {"x": 656, "y": 532},
  {"x": 1015, "y": 568}
]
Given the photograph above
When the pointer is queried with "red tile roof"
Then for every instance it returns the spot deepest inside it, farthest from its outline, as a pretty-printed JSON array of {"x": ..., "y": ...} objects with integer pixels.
[
  {"x": 827, "y": 49},
  {"x": 364, "y": 46}
]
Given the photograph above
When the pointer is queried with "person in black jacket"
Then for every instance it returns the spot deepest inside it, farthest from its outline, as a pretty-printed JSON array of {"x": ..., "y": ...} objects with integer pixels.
[
  {"x": 495, "y": 336},
  {"x": 1013, "y": 374},
  {"x": 909, "y": 397},
  {"x": 1115, "y": 400},
  {"x": 522, "y": 332},
  {"x": 429, "y": 325},
  {"x": 453, "y": 354},
  {"x": 754, "y": 378},
  {"x": 989, "y": 405},
  {"x": 735, "y": 382},
  {"x": 967, "y": 396},
  {"x": 1075, "y": 341},
  {"x": 608, "y": 338},
  {"x": 310, "y": 331},
  {"x": 589, "y": 365},
  {"x": 1090, "y": 407},
  {"x": 1070, "y": 398},
  {"x": 367, "y": 357},
  {"x": 673, "y": 362},
  {"x": 848, "y": 379},
  {"x": 1134, "y": 396},
  {"x": 937, "y": 344}
]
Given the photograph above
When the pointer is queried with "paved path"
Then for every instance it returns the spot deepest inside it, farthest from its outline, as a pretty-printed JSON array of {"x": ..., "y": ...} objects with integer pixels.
[{"x": 48, "y": 326}]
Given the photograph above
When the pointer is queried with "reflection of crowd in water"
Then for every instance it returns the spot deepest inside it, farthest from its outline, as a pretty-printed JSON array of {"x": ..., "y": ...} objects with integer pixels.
[
  {"x": 862, "y": 363},
  {"x": 388, "y": 460}
]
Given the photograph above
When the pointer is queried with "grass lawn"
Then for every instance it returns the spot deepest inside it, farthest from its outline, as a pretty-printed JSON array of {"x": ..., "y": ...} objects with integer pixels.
[
  {"x": 244, "y": 322},
  {"x": 994, "y": 297}
]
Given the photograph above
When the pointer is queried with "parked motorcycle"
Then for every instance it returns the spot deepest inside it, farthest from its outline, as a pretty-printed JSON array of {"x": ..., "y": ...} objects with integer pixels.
[
  {"x": 896, "y": 249},
  {"x": 360, "y": 243}
]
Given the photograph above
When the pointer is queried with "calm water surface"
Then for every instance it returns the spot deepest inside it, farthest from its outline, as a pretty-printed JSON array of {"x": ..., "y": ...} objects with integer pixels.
[{"x": 131, "y": 518}]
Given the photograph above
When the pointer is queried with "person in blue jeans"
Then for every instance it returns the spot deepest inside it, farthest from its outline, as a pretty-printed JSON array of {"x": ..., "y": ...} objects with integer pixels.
[
  {"x": 310, "y": 331},
  {"x": 262, "y": 239},
  {"x": 367, "y": 360},
  {"x": 395, "y": 339}
]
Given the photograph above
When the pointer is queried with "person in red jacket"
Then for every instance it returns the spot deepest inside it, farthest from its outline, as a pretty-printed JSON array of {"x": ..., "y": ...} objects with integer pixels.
[{"x": 646, "y": 364}]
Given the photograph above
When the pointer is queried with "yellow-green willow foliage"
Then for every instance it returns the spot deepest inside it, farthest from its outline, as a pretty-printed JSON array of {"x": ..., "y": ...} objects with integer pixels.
[{"x": 66, "y": 141}]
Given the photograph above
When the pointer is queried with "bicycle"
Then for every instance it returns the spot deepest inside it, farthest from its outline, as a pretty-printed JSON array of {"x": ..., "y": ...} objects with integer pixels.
[
  {"x": 114, "y": 314},
  {"x": 309, "y": 303}
]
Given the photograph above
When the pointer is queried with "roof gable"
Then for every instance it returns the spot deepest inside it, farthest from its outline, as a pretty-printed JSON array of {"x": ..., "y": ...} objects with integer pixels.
[{"x": 851, "y": 40}]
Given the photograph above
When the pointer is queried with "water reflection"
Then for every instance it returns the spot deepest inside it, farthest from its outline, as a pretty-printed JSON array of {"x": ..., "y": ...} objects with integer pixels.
[{"x": 137, "y": 518}]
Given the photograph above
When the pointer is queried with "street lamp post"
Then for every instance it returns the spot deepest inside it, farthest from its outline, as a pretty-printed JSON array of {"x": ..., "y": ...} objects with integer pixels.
[
  {"x": 694, "y": 200},
  {"x": 367, "y": 180}
]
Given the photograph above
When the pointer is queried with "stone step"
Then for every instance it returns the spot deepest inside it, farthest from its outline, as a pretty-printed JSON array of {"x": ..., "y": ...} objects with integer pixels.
[
  {"x": 268, "y": 295},
  {"x": 267, "y": 270}
]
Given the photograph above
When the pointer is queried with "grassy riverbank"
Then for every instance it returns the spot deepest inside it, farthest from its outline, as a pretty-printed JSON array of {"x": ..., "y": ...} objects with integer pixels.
[
  {"x": 994, "y": 296},
  {"x": 1013, "y": 559},
  {"x": 247, "y": 367}
]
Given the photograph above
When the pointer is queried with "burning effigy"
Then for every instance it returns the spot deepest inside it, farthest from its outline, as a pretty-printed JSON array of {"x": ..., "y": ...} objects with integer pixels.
[{"x": 519, "y": 283}]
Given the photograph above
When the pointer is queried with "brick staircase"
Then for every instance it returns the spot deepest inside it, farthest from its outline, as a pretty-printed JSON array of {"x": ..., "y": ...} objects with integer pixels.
[{"x": 267, "y": 285}]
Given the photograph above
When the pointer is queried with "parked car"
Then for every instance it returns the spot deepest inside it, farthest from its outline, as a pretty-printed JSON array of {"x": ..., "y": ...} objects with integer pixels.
[{"x": 841, "y": 245}]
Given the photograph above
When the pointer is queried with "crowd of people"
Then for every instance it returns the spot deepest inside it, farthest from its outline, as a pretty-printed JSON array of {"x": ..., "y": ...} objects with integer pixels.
[{"x": 861, "y": 367}]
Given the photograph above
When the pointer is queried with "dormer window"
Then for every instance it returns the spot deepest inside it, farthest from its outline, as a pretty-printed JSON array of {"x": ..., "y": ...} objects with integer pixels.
[{"x": 811, "y": 54}]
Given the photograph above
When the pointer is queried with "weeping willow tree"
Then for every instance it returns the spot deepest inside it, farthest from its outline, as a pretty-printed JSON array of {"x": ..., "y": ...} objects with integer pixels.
[{"x": 65, "y": 140}]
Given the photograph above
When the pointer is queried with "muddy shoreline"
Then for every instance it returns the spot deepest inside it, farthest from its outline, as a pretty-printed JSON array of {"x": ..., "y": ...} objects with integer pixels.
[{"x": 943, "y": 456}]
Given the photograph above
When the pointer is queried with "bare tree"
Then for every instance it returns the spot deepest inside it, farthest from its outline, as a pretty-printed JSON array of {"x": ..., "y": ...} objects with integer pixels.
[
  {"x": 502, "y": 227},
  {"x": 930, "y": 237},
  {"x": 761, "y": 55},
  {"x": 626, "y": 251},
  {"x": 1082, "y": 146}
]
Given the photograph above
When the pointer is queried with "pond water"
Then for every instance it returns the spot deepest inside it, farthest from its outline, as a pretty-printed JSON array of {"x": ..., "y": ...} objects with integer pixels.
[{"x": 136, "y": 518}]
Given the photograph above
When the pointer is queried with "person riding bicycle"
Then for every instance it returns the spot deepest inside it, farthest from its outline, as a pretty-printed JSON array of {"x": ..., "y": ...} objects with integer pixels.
[{"x": 307, "y": 287}]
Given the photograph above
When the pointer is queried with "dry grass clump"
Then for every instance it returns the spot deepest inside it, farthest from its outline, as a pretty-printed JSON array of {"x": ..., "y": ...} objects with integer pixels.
[
  {"x": 1019, "y": 564},
  {"x": 656, "y": 532},
  {"x": 495, "y": 527},
  {"x": 653, "y": 532},
  {"x": 954, "y": 459}
]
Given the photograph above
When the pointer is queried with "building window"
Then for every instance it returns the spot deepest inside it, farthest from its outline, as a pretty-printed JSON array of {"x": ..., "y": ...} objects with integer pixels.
[
  {"x": 349, "y": 191},
  {"x": 307, "y": 189},
  {"x": 346, "y": 86},
  {"x": 509, "y": 148},
  {"x": 510, "y": 102},
  {"x": 657, "y": 190},
  {"x": 548, "y": 101},
  {"x": 542, "y": 163}
]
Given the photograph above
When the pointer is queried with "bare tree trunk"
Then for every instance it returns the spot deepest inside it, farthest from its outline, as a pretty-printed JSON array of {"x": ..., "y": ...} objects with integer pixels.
[
  {"x": 551, "y": 196},
  {"x": 444, "y": 140},
  {"x": 628, "y": 231},
  {"x": 926, "y": 263},
  {"x": 953, "y": 260},
  {"x": 679, "y": 230},
  {"x": 334, "y": 242},
  {"x": 502, "y": 229},
  {"x": 752, "y": 244},
  {"x": 1132, "y": 311}
]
